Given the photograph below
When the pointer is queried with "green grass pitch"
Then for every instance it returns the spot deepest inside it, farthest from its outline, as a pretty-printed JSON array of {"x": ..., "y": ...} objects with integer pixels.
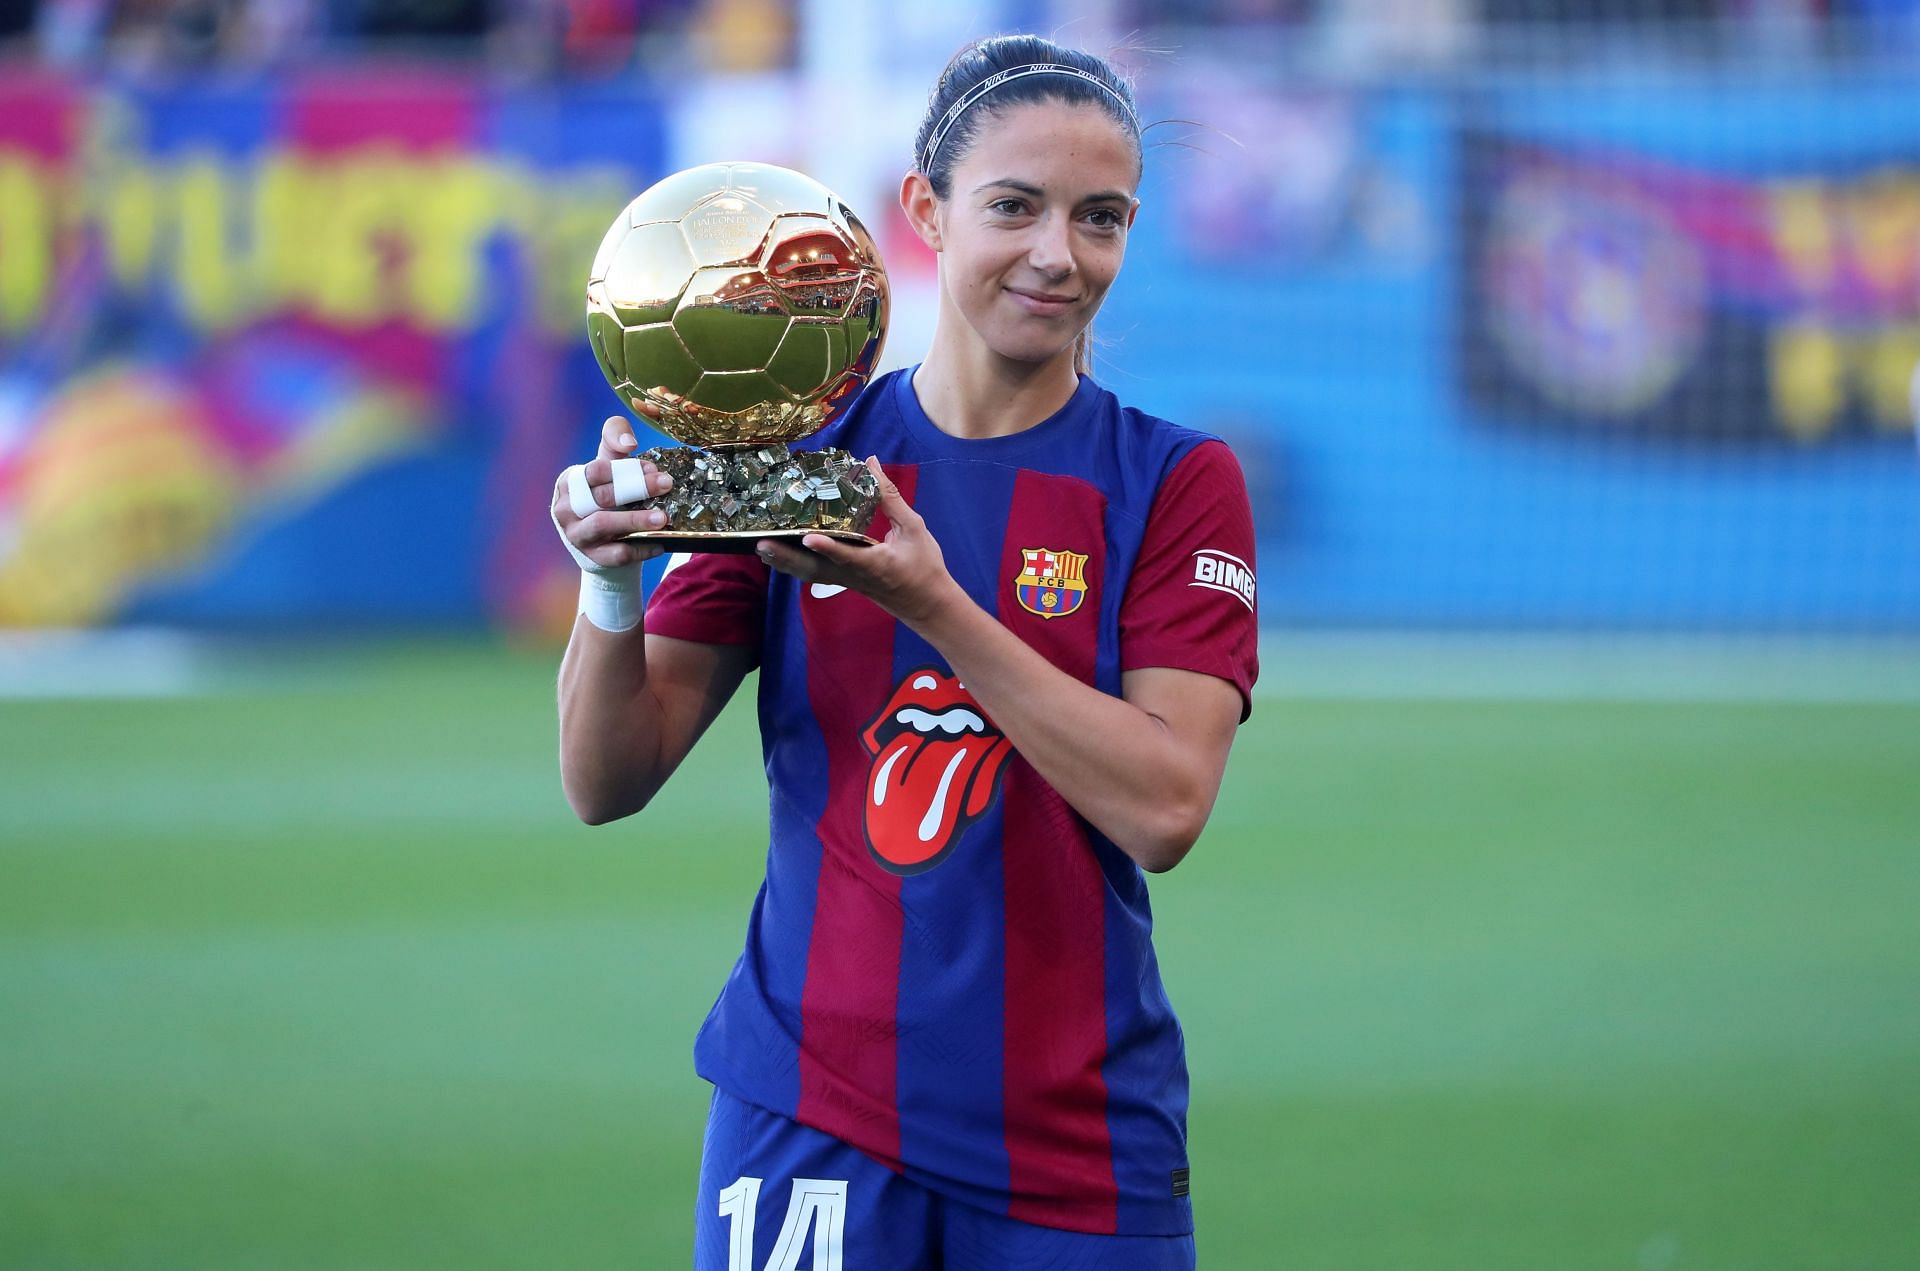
[{"x": 328, "y": 977}]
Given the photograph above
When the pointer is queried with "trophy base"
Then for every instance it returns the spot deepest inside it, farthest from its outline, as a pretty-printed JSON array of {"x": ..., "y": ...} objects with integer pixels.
[
  {"x": 737, "y": 542},
  {"x": 728, "y": 498}
]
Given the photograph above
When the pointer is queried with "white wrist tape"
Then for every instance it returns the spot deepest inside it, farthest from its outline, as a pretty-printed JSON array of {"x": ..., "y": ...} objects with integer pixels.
[
  {"x": 610, "y": 595},
  {"x": 610, "y": 598}
]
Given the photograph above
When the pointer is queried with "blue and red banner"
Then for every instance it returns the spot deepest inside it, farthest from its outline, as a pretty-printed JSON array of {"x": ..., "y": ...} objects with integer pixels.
[
  {"x": 1612, "y": 289},
  {"x": 300, "y": 352},
  {"x": 1621, "y": 353}
]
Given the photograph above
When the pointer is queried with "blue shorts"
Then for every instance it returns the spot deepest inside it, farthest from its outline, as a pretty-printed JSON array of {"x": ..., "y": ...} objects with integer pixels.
[{"x": 776, "y": 1195}]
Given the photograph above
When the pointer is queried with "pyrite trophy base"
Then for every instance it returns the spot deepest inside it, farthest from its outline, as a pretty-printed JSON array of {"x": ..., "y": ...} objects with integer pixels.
[{"x": 727, "y": 498}]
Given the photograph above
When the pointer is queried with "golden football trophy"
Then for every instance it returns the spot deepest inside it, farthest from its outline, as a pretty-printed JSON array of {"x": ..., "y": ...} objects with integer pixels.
[{"x": 742, "y": 305}]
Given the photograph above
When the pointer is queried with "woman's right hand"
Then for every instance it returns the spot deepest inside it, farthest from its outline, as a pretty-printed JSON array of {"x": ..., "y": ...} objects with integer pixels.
[
  {"x": 630, "y": 708},
  {"x": 599, "y": 539}
]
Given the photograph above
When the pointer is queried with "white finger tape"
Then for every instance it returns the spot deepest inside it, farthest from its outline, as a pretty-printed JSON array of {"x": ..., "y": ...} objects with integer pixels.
[
  {"x": 579, "y": 493},
  {"x": 629, "y": 482}
]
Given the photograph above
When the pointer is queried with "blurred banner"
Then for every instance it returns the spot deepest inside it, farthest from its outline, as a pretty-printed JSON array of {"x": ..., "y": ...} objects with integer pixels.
[
  {"x": 307, "y": 353},
  {"x": 1616, "y": 291},
  {"x": 1624, "y": 351},
  {"x": 1623, "y": 354}
]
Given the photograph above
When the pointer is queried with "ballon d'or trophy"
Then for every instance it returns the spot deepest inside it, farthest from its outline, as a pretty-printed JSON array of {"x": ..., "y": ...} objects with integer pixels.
[{"x": 742, "y": 305}]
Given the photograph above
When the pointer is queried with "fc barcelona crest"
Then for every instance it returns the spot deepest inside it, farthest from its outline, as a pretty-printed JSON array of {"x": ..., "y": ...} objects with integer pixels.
[{"x": 1051, "y": 583}]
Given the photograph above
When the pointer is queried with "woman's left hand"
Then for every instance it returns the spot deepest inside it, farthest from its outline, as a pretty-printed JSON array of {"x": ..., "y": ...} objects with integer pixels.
[{"x": 905, "y": 574}]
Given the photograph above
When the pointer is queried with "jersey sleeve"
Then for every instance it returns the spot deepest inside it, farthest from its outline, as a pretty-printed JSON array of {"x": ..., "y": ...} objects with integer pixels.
[
  {"x": 1190, "y": 601},
  {"x": 711, "y": 598}
]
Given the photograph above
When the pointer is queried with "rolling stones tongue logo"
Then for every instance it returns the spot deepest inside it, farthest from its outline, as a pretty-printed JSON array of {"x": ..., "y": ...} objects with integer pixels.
[{"x": 936, "y": 762}]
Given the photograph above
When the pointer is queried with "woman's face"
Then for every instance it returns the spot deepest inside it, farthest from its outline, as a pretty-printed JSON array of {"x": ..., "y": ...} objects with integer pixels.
[{"x": 1035, "y": 225}]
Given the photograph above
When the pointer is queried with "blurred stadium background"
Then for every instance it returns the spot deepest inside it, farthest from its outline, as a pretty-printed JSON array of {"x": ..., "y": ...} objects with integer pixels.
[{"x": 1559, "y": 909}]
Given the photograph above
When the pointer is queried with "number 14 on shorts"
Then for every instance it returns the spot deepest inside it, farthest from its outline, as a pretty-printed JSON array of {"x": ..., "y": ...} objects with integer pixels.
[{"x": 818, "y": 1206}]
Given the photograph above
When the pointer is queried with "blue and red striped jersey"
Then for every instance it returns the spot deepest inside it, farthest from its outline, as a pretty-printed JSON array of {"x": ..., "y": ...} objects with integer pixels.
[{"x": 946, "y": 966}]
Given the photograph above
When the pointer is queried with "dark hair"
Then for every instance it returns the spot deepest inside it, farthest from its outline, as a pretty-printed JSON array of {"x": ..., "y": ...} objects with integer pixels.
[{"x": 983, "y": 59}]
